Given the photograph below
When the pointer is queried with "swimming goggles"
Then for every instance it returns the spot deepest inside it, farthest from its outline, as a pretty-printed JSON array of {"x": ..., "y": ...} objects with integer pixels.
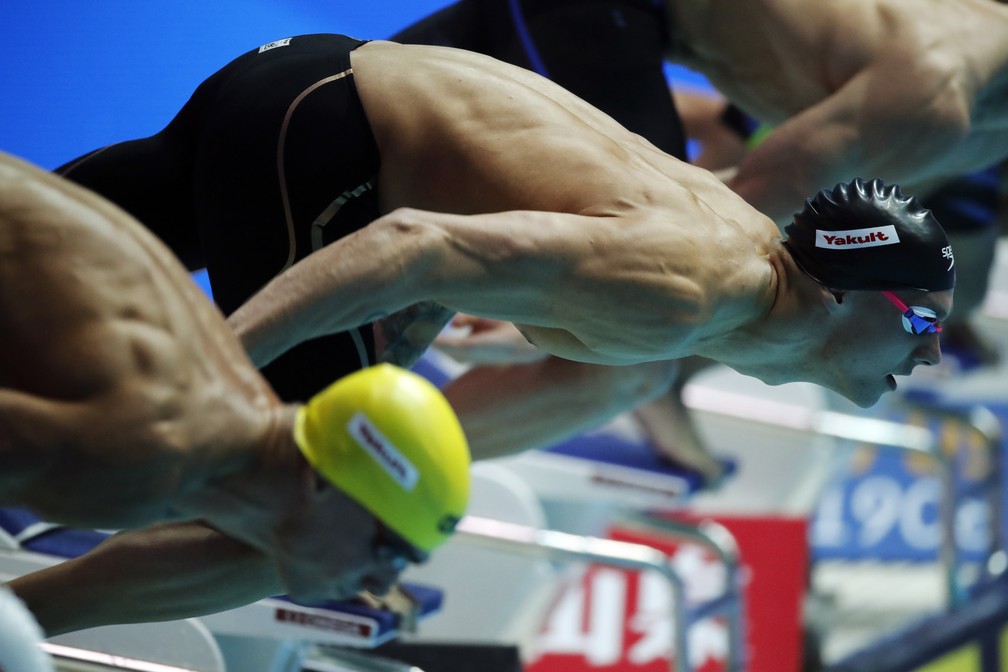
[
  {"x": 917, "y": 320},
  {"x": 386, "y": 545}
]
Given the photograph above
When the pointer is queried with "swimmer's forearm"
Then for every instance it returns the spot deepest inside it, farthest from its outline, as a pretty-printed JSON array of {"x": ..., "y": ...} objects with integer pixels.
[
  {"x": 365, "y": 276},
  {"x": 814, "y": 149},
  {"x": 776, "y": 176},
  {"x": 874, "y": 126},
  {"x": 495, "y": 265},
  {"x": 161, "y": 573}
]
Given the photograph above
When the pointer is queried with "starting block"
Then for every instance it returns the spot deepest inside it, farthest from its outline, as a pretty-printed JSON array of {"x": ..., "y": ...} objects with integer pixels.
[{"x": 28, "y": 544}]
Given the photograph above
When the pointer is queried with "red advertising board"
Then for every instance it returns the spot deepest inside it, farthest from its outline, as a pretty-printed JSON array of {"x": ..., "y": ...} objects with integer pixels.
[{"x": 611, "y": 620}]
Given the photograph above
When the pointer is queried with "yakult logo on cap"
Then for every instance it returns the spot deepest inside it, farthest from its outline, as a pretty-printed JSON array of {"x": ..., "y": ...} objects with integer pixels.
[
  {"x": 851, "y": 240},
  {"x": 383, "y": 452}
]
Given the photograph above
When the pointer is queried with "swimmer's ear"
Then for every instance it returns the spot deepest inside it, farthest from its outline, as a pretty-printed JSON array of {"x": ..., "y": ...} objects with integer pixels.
[{"x": 831, "y": 299}]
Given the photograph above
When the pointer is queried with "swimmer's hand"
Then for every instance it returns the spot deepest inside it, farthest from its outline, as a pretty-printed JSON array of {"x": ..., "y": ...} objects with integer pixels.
[
  {"x": 402, "y": 337},
  {"x": 397, "y": 600},
  {"x": 478, "y": 340},
  {"x": 669, "y": 429}
]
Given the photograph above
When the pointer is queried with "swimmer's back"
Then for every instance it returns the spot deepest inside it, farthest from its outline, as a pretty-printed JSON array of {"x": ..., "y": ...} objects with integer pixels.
[
  {"x": 86, "y": 294},
  {"x": 456, "y": 129},
  {"x": 112, "y": 362}
]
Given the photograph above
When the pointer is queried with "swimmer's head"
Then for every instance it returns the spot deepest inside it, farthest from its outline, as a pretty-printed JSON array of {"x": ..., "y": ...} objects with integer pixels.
[
  {"x": 388, "y": 439},
  {"x": 866, "y": 235}
]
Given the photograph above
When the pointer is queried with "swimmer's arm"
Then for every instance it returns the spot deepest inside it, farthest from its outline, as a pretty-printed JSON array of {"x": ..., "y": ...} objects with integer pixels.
[
  {"x": 531, "y": 267},
  {"x": 509, "y": 409},
  {"x": 160, "y": 573},
  {"x": 880, "y": 123},
  {"x": 701, "y": 115}
]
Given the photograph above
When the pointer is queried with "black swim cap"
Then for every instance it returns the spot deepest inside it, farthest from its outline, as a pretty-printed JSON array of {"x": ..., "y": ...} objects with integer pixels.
[{"x": 866, "y": 235}]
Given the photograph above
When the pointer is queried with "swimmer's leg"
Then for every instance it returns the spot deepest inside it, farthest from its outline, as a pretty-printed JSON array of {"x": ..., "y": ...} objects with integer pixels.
[
  {"x": 669, "y": 426},
  {"x": 462, "y": 25},
  {"x": 977, "y": 247},
  {"x": 968, "y": 208},
  {"x": 151, "y": 179},
  {"x": 610, "y": 54}
]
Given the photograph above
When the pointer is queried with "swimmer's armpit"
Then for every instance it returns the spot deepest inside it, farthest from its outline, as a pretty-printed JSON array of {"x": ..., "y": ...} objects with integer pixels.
[{"x": 402, "y": 337}]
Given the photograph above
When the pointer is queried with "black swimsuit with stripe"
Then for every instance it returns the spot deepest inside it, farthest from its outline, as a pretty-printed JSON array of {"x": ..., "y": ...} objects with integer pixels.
[
  {"x": 270, "y": 159},
  {"x": 608, "y": 52}
]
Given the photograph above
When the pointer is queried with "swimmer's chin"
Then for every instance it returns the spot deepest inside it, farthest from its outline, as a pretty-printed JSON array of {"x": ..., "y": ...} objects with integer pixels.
[
  {"x": 868, "y": 398},
  {"x": 890, "y": 386}
]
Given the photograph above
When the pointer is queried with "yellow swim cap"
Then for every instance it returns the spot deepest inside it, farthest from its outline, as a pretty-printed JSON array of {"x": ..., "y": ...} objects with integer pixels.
[{"x": 388, "y": 438}]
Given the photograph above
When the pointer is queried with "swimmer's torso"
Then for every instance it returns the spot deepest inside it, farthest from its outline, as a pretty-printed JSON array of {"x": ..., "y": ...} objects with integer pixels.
[
  {"x": 948, "y": 53},
  {"x": 458, "y": 132}
]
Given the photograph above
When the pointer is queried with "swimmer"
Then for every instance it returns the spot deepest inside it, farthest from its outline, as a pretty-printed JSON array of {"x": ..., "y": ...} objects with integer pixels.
[
  {"x": 609, "y": 53},
  {"x": 966, "y": 205},
  {"x": 127, "y": 402},
  {"x": 621, "y": 73},
  {"x": 494, "y": 192},
  {"x": 612, "y": 54},
  {"x": 826, "y": 74},
  {"x": 908, "y": 90}
]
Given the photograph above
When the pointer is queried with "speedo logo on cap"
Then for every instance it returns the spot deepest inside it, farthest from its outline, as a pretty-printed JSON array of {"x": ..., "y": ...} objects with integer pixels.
[
  {"x": 852, "y": 240},
  {"x": 382, "y": 451}
]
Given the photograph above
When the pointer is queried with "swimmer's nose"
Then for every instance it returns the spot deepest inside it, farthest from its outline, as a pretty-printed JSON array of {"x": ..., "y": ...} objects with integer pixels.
[{"x": 929, "y": 352}]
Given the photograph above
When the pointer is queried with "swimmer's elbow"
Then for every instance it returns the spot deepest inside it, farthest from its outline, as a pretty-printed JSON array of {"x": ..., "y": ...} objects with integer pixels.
[
  {"x": 408, "y": 231},
  {"x": 414, "y": 248}
]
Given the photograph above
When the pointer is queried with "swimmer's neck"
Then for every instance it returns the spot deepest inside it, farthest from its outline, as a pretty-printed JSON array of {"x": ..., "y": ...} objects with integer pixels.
[
  {"x": 770, "y": 346},
  {"x": 245, "y": 494}
]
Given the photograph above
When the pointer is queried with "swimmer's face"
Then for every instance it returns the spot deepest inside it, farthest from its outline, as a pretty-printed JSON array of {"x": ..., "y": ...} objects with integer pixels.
[
  {"x": 331, "y": 547},
  {"x": 869, "y": 345}
]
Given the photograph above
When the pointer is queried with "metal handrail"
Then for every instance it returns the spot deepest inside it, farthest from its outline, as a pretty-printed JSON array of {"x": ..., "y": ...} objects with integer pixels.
[
  {"x": 562, "y": 546},
  {"x": 985, "y": 424},
  {"x": 799, "y": 418},
  {"x": 106, "y": 661},
  {"x": 717, "y": 539},
  {"x": 885, "y": 434}
]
